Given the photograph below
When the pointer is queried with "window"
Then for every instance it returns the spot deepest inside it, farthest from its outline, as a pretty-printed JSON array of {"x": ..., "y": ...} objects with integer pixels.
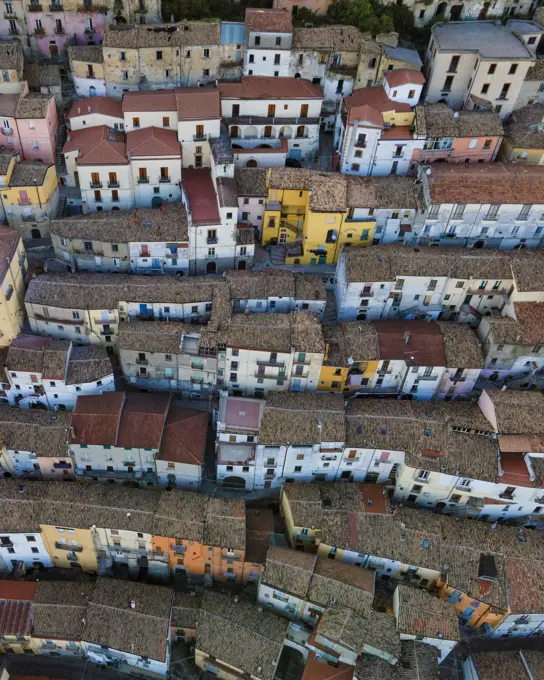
[
  {"x": 504, "y": 91},
  {"x": 458, "y": 212},
  {"x": 355, "y": 167},
  {"x": 423, "y": 475},
  {"x": 492, "y": 212},
  {"x": 206, "y": 53},
  {"x": 122, "y": 56},
  {"x": 485, "y": 88},
  {"x": 513, "y": 69},
  {"x": 411, "y": 94},
  {"x": 492, "y": 68},
  {"x": 531, "y": 40},
  {"x": 524, "y": 213},
  {"x": 454, "y": 63},
  {"x": 135, "y": 122},
  {"x": 433, "y": 211},
  {"x": 251, "y": 59},
  {"x": 447, "y": 84},
  {"x": 277, "y": 59},
  {"x": 487, "y": 144},
  {"x": 498, "y": 108},
  {"x": 159, "y": 55}
]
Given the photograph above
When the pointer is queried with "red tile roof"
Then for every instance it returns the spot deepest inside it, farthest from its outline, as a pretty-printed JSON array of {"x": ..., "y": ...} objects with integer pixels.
[
  {"x": 17, "y": 590},
  {"x": 369, "y": 103},
  {"x": 198, "y": 103},
  {"x": 9, "y": 242},
  {"x": 95, "y": 419},
  {"x": 515, "y": 470},
  {"x": 97, "y": 146},
  {"x": 269, "y": 20},
  {"x": 184, "y": 436},
  {"x": 102, "y": 105},
  {"x": 321, "y": 670},
  {"x": 417, "y": 344},
  {"x": 267, "y": 87},
  {"x": 486, "y": 183},
  {"x": 244, "y": 413},
  {"x": 201, "y": 195},
  {"x": 153, "y": 141},
  {"x": 530, "y": 320},
  {"x": 404, "y": 76},
  {"x": 524, "y": 578},
  {"x": 15, "y": 617},
  {"x": 142, "y": 420},
  {"x": 159, "y": 100}
]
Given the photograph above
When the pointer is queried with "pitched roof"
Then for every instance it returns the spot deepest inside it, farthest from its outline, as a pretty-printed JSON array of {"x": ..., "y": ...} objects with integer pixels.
[
  {"x": 15, "y": 617},
  {"x": 318, "y": 668},
  {"x": 9, "y": 243},
  {"x": 157, "y": 100},
  {"x": 95, "y": 419},
  {"x": 517, "y": 412},
  {"x": 42, "y": 432},
  {"x": 197, "y": 103},
  {"x": 404, "y": 76},
  {"x": 507, "y": 665},
  {"x": 417, "y": 344},
  {"x": 524, "y": 128},
  {"x": 96, "y": 105},
  {"x": 201, "y": 196},
  {"x": 437, "y": 120},
  {"x": 338, "y": 38},
  {"x": 525, "y": 596},
  {"x": 368, "y": 104},
  {"x": 268, "y": 87},
  {"x": 97, "y": 146},
  {"x": 88, "y": 53},
  {"x": 289, "y": 570},
  {"x": 268, "y": 20},
  {"x": 29, "y": 174},
  {"x": 334, "y": 583},
  {"x": 422, "y": 614},
  {"x": 184, "y": 435},
  {"x": 251, "y": 182},
  {"x": 153, "y": 141},
  {"x": 485, "y": 183}
]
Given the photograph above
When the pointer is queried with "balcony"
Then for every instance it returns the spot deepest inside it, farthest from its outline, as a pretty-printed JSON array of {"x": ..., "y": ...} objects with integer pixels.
[
  {"x": 60, "y": 31},
  {"x": 9, "y": 15},
  {"x": 270, "y": 376},
  {"x": 141, "y": 10},
  {"x": 55, "y": 7},
  {"x": 7, "y": 131},
  {"x": 14, "y": 31},
  {"x": 6, "y": 544},
  {"x": 28, "y": 218},
  {"x": 39, "y": 31},
  {"x": 273, "y": 205},
  {"x": 143, "y": 180},
  {"x": 33, "y": 7},
  {"x": 103, "y": 322},
  {"x": 200, "y": 138},
  {"x": 96, "y": 185},
  {"x": 396, "y": 154},
  {"x": 113, "y": 184},
  {"x": 360, "y": 144},
  {"x": 263, "y": 362},
  {"x": 142, "y": 362},
  {"x": 69, "y": 548},
  {"x": 164, "y": 180},
  {"x": 211, "y": 241}
]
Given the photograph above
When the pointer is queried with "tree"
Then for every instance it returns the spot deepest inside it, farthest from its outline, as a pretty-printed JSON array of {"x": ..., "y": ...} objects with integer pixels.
[{"x": 363, "y": 15}]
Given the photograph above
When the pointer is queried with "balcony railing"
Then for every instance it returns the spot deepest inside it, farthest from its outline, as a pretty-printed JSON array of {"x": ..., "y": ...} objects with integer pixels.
[
  {"x": 164, "y": 180},
  {"x": 56, "y": 7},
  {"x": 142, "y": 362},
  {"x": 28, "y": 218},
  {"x": 69, "y": 548},
  {"x": 143, "y": 180},
  {"x": 270, "y": 376},
  {"x": 7, "y": 131},
  {"x": 14, "y": 31},
  {"x": 264, "y": 362},
  {"x": 96, "y": 185},
  {"x": 211, "y": 241},
  {"x": 9, "y": 15},
  {"x": 200, "y": 138},
  {"x": 33, "y": 7},
  {"x": 60, "y": 31}
]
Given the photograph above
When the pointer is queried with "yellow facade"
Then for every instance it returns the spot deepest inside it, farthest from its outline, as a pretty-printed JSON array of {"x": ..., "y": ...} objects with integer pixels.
[
  {"x": 398, "y": 118},
  {"x": 65, "y": 543},
  {"x": 332, "y": 378},
  {"x": 12, "y": 293},
  {"x": 37, "y": 194},
  {"x": 288, "y": 219},
  {"x": 483, "y": 612},
  {"x": 510, "y": 153},
  {"x": 14, "y": 159},
  {"x": 80, "y": 69},
  {"x": 305, "y": 537}
]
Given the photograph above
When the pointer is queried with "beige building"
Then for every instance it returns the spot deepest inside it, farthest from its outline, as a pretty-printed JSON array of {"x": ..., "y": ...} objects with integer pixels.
[
  {"x": 11, "y": 65},
  {"x": 87, "y": 67},
  {"x": 13, "y": 269},
  {"x": 479, "y": 64}
]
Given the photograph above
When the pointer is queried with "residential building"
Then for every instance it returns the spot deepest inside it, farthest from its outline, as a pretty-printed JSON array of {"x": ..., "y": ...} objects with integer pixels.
[
  {"x": 95, "y": 111},
  {"x": 199, "y": 118},
  {"x": 35, "y": 444},
  {"x": 141, "y": 241},
  {"x": 44, "y": 79},
  {"x": 252, "y": 192},
  {"x": 265, "y": 108},
  {"x": 412, "y": 655},
  {"x": 29, "y": 123},
  {"x": 148, "y": 439},
  {"x": 31, "y": 199},
  {"x": 469, "y": 64},
  {"x": 373, "y": 129},
  {"x": 532, "y": 90},
  {"x": 238, "y": 425},
  {"x": 483, "y": 666},
  {"x": 12, "y": 280},
  {"x": 12, "y": 56},
  {"x": 441, "y": 283},
  {"x": 523, "y": 141},
  {"x": 87, "y": 67},
  {"x": 43, "y": 372},
  {"x": 301, "y": 586},
  {"x": 237, "y": 638},
  {"x": 485, "y": 218},
  {"x": 329, "y": 57},
  {"x": 115, "y": 611},
  {"x": 419, "y": 359},
  {"x": 317, "y": 7},
  {"x": 15, "y": 618},
  {"x": 314, "y": 213},
  {"x": 513, "y": 347},
  {"x": 457, "y": 136},
  {"x": 269, "y": 34},
  {"x": 395, "y": 57}
]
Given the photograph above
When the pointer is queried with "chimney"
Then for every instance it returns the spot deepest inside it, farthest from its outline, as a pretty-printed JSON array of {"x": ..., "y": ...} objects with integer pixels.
[{"x": 407, "y": 337}]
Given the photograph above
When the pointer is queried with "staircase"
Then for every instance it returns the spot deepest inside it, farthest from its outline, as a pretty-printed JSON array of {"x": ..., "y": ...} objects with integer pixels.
[
  {"x": 330, "y": 316},
  {"x": 277, "y": 255},
  {"x": 61, "y": 210},
  {"x": 61, "y": 138}
]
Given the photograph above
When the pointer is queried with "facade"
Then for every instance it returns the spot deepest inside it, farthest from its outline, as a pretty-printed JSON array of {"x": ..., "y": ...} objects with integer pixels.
[
  {"x": 12, "y": 277},
  {"x": 269, "y": 34},
  {"x": 11, "y": 54},
  {"x": 141, "y": 241},
  {"x": 531, "y": 90},
  {"x": 32, "y": 198},
  {"x": 373, "y": 130},
  {"x": 457, "y": 136},
  {"x": 94, "y": 112},
  {"x": 252, "y": 192},
  {"x": 29, "y": 124},
  {"x": 466, "y": 68},
  {"x": 54, "y": 373},
  {"x": 523, "y": 141},
  {"x": 87, "y": 67},
  {"x": 481, "y": 220},
  {"x": 265, "y": 108}
]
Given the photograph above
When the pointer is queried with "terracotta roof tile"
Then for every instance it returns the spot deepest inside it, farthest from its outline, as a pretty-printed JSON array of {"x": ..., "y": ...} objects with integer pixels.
[
  {"x": 100, "y": 105},
  {"x": 265, "y": 87},
  {"x": 17, "y": 590},
  {"x": 153, "y": 141},
  {"x": 201, "y": 196},
  {"x": 184, "y": 435},
  {"x": 369, "y": 103},
  {"x": 197, "y": 103},
  {"x": 404, "y": 76},
  {"x": 142, "y": 420},
  {"x": 95, "y": 419},
  {"x": 15, "y": 617},
  {"x": 97, "y": 146},
  {"x": 416, "y": 343},
  {"x": 159, "y": 100},
  {"x": 269, "y": 20}
]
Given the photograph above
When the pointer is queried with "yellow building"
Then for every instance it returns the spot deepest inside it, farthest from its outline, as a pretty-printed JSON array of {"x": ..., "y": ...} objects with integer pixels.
[
  {"x": 13, "y": 269},
  {"x": 307, "y": 211},
  {"x": 67, "y": 533},
  {"x": 31, "y": 199},
  {"x": 524, "y": 136}
]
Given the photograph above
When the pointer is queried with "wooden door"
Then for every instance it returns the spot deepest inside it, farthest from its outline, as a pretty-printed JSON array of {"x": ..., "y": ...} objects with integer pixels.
[
  {"x": 304, "y": 111},
  {"x": 271, "y": 110}
]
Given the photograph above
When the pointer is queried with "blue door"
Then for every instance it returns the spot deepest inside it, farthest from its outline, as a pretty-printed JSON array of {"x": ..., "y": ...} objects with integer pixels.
[
  {"x": 143, "y": 309},
  {"x": 296, "y": 154},
  {"x": 156, "y": 263}
]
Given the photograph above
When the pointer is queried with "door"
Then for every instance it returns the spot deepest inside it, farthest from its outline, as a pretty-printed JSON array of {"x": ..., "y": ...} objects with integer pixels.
[
  {"x": 92, "y": 90},
  {"x": 76, "y": 178},
  {"x": 322, "y": 259},
  {"x": 23, "y": 197},
  {"x": 427, "y": 300},
  {"x": 156, "y": 263},
  {"x": 297, "y": 384},
  {"x": 143, "y": 309},
  {"x": 156, "y": 202},
  {"x": 271, "y": 110},
  {"x": 296, "y": 154},
  {"x": 242, "y": 266},
  {"x": 304, "y": 111},
  {"x": 283, "y": 236},
  {"x": 145, "y": 251},
  {"x": 53, "y": 51}
]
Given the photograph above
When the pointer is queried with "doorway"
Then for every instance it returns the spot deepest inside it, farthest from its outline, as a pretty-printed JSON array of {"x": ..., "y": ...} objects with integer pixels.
[
  {"x": 211, "y": 268},
  {"x": 156, "y": 202},
  {"x": 92, "y": 91},
  {"x": 242, "y": 266},
  {"x": 36, "y": 233}
]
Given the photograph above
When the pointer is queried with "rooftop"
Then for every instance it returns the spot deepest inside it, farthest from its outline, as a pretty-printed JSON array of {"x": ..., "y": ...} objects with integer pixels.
[
  {"x": 266, "y": 87},
  {"x": 437, "y": 120},
  {"x": 10, "y": 239},
  {"x": 196, "y": 103},
  {"x": 526, "y": 329},
  {"x": 29, "y": 174},
  {"x": 42, "y": 75},
  {"x": 201, "y": 196},
  {"x": 42, "y": 432},
  {"x": 154, "y": 100},
  {"x": 404, "y": 76},
  {"x": 426, "y": 615},
  {"x": 525, "y": 127},
  {"x": 88, "y": 53},
  {"x": 11, "y": 55},
  {"x": 97, "y": 105},
  {"x": 489, "y": 39},
  {"x": 97, "y": 146},
  {"x": 153, "y": 141},
  {"x": 517, "y": 412},
  {"x": 268, "y": 21},
  {"x": 339, "y": 38},
  {"x": 368, "y": 105}
]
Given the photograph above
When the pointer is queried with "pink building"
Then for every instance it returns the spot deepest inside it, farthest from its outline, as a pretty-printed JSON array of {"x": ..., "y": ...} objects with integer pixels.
[
  {"x": 457, "y": 136},
  {"x": 29, "y": 124}
]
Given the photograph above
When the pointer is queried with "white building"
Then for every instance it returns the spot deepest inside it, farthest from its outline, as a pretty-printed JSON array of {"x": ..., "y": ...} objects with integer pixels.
[
  {"x": 20, "y": 538},
  {"x": 467, "y": 62},
  {"x": 482, "y": 220},
  {"x": 87, "y": 67},
  {"x": 404, "y": 86},
  {"x": 199, "y": 121},
  {"x": 94, "y": 112},
  {"x": 252, "y": 194},
  {"x": 265, "y": 108},
  {"x": 269, "y": 35},
  {"x": 54, "y": 373}
]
